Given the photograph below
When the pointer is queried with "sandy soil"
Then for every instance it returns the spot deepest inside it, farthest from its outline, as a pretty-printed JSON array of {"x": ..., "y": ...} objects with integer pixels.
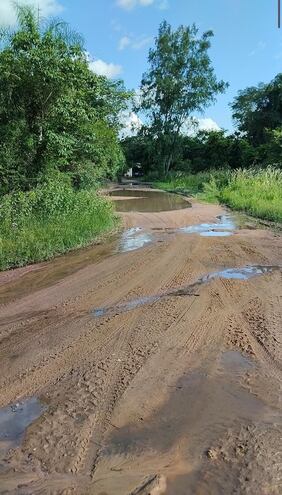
[{"x": 178, "y": 396}]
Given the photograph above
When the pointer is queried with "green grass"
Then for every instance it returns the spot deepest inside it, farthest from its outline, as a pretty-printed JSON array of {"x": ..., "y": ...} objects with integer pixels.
[
  {"x": 258, "y": 192},
  {"x": 184, "y": 183},
  {"x": 38, "y": 225}
]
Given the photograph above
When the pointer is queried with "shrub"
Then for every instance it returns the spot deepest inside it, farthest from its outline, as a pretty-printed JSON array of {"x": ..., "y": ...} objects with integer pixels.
[{"x": 49, "y": 220}]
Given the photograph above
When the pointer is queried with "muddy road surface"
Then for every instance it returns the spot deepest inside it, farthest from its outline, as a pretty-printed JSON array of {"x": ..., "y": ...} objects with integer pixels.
[{"x": 147, "y": 365}]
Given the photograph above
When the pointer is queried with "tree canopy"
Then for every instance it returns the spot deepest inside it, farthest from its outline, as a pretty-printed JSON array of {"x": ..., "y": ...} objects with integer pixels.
[
  {"x": 258, "y": 109},
  {"x": 180, "y": 80},
  {"x": 55, "y": 113}
]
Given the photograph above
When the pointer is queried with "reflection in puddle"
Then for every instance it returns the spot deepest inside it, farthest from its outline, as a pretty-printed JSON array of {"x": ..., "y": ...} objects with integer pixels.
[
  {"x": 15, "y": 419},
  {"x": 134, "y": 238},
  {"x": 224, "y": 227},
  {"x": 243, "y": 273},
  {"x": 147, "y": 200}
]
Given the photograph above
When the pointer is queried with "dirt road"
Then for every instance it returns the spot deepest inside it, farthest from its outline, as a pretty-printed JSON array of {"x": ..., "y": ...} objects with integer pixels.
[{"x": 146, "y": 371}]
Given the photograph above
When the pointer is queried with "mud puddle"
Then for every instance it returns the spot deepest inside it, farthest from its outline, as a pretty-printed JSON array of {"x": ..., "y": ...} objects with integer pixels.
[
  {"x": 243, "y": 273},
  {"x": 46, "y": 274},
  {"x": 235, "y": 362},
  {"x": 14, "y": 420},
  {"x": 129, "y": 200},
  {"x": 176, "y": 442},
  {"x": 134, "y": 238},
  {"x": 225, "y": 226}
]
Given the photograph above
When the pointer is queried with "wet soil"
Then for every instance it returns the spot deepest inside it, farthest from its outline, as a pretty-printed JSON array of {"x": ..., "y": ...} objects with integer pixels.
[
  {"x": 14, "y": 420},
  {"x": 158, "y": 355}
]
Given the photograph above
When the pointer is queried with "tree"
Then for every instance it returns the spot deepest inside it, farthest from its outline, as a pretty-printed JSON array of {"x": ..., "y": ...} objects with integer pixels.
[
  {"x": 259, "y": 109},
  {"x": 180, "y": 81},
  {"x": 54, "y": 111}
]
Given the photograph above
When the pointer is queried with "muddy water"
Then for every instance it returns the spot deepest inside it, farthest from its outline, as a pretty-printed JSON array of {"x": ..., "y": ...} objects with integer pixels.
[
  {"x": 44, "y": 275},
  {"x": 15, "y": 419},
  {"x": 243, "y": 273},
  {"x": 127, "y": 200},
  {"x": 134, "y": 238},
  {"x": 203, "y": 404}
]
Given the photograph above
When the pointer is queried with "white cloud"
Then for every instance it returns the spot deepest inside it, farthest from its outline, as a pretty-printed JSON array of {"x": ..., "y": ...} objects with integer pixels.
[
  {"x": 124, "y": 42},
  {"x": 194, "y": 124},
  {"x": 134, "y": 43},
  {"x": 207, "y": 124},
  {"x": 131, "y": 4},
  {"x": 46, "y": 8},
  {"x": 104, "y": 69},
  {"x": 131, "y": 124}
]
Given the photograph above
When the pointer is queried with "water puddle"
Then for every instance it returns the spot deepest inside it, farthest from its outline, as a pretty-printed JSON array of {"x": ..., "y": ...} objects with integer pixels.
[
  {"x": 46, "y": 274},
  {"x": 14, "y": 420},
  {"x": 134, "y": 238},
  {"x": 235, "y": 362},
  {"x": 225, "y": 226},
  {"x": 194, "y": 405},
  {"x": 201, "y": 407},
  {"x": 128, "y": 200},
  {"x": 127, "y": 306},
  {"x": 243, "y": 273}
]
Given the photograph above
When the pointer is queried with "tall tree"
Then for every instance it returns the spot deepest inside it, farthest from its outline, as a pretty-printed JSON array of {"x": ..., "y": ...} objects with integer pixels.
[{"x": 179, "y": 81}]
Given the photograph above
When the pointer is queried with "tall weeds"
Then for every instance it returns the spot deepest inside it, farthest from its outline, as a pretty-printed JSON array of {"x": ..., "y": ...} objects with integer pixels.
[{"x": 49, "y": 220}]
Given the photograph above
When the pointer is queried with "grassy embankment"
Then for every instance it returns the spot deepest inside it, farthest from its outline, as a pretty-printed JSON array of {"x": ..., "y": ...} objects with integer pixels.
[
  {"x": 257, "y": 192},
  {"x": 49, "y": 220}
]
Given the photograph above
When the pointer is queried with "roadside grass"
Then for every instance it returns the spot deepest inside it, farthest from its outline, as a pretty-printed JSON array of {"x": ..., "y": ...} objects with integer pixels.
[
  {"x": 184, "y": 183},
  {"x": 50, "y": 220},
  {"x": 258, "y": 192}
]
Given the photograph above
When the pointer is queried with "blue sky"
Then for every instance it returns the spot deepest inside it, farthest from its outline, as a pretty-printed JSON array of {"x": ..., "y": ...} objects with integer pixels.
[{"x": 246, "y": 48}]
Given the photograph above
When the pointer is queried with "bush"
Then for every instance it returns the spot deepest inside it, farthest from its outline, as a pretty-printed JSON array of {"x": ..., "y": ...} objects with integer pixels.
[
  {"x": 49, "y": 220},
  {"x": 194, "y": 183},
  {"x": 258, "y": 192}
]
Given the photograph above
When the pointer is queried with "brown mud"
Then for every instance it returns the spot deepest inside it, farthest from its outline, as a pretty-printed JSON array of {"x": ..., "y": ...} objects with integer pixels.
[{"x": 173, "y": 388}]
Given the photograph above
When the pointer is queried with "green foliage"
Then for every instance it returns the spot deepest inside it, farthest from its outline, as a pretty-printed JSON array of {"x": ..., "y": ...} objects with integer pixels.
[
  {"x": 259, "y": 109},
  {"x": 207, "y": 150},
  {"x": 258, "y": 192},
  {"x": 184, "y": 183},
  {"x": 180, "y": 81},
  {"x": 202, "y": 184},
  {"x": 55, "y": 113},
  {"x": 49, "y": 220}
]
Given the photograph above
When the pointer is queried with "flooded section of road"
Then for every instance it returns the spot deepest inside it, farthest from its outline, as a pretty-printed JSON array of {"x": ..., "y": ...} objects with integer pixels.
[
  {"x": 14, "y": 420},
  {"x": 243, "y": 273},
  {"x": 127, "y": 200}
]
